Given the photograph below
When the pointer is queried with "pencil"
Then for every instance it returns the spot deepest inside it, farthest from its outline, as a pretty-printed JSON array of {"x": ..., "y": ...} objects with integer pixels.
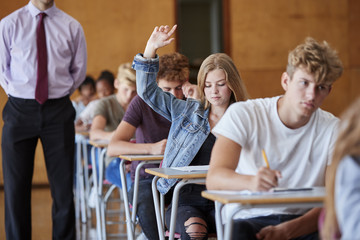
[{"x": 265, "y": 158}]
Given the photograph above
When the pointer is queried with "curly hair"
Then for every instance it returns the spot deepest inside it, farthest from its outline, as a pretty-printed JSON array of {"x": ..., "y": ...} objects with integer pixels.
[
  {"x": 173, "y": 67},
  {"x": 318, "y": 59}
]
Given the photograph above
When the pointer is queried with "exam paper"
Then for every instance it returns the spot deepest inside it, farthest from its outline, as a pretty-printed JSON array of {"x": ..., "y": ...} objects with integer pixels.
[{"x": 192, "y": 168}]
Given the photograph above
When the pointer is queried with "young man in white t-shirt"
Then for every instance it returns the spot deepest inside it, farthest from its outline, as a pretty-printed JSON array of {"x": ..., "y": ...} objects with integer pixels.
[{"x": 298, "y": 139}]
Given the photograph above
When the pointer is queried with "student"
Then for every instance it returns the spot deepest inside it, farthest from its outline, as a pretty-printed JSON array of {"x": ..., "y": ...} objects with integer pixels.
[
  {"x": 343, "y": 193},
  {"x": 87, "y": 93},
  {"x": 104, "y": 87},
  {"x": 190, "y": 140},
  {"x": 39, "y": 70},
  {"x": 151, "y": 131},
  {"x": 297, "y": 136},
  {"x": 109, "y": 112}
]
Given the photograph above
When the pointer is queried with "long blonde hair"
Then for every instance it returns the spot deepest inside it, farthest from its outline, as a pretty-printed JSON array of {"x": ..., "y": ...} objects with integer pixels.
[
  {"x": 233, "y": 79},
  {"x": 347, "y": 143}
]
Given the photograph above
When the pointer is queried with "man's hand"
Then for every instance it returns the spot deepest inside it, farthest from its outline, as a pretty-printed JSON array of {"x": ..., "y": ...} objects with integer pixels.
[
  {"x": 265, "y": 179},
  {"x": 158, "y": 147},
  {"x": 160, "y": 37},
  {"x": 272, "y": 232}
]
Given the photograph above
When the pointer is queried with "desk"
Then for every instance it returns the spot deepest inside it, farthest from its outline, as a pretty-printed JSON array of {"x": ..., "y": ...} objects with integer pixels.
[
  {"x": 188, "y": 177},
  {"x": 145, "y": 159},
  {"x": 102, "y": 145},
  {"x": 299, "y": 199},
  {"x": 81, "y": 191}
]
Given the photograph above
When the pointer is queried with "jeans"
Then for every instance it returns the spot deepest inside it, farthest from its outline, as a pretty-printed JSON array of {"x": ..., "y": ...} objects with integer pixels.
[
  {"x": 191, "y": 204},
  {"x": 247, "y": 228},
  {"x": 145, "y": 208},
  {"x": 112, "y": 174}
]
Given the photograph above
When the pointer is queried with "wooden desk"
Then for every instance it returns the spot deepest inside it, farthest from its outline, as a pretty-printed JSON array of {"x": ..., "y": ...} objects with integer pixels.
[
  {"x": 187, "y": 177},
  {"x": 83, "y": 133},
  {"x": 298, "y": 199},
  {"x": 145, "y": 159}
]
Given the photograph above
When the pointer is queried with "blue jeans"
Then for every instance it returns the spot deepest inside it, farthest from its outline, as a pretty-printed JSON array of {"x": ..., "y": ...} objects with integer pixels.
[
  {"x": 112, "y": 174},
  {"x": 248, "y": 228}
]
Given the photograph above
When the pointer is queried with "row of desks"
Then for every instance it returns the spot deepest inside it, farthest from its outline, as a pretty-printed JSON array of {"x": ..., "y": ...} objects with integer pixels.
[{"x": 298, "y": 199}]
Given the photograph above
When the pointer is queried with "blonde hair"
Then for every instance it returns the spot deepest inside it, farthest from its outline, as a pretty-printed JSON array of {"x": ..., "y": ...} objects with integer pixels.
[
  {"x": 233, "y": 79},
  {"x": 347, "y": 143},
  {"x": 126, "y": 74},
  {"x": 173, "y": 67},
  {"x": 318, "y": 59}
]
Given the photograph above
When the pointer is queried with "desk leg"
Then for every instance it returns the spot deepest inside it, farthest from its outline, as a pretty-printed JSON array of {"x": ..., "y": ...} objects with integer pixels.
[
  {"x": 219, "y": 225},
  {"x": 129, "y": 227},
  {"x": 229, "y": 224},
  {"x": 157, "y": 208},
  {"x": 97, "y": 205},
  {"x": 84, "y": 143},
  {"x": 100, "y": 192},
  {"x": 79, "y": 188},
  {"x": 136, "y": 190},
  {"x": 175, "y": 201},
  {"x": 135, "y": 196}
]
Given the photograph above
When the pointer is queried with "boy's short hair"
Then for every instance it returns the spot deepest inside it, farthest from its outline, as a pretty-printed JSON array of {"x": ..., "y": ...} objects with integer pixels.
[
  {"x": 173, "y": 67},
  {"x": 126, "y": 74},
  {"x": 318, "y": 59}
]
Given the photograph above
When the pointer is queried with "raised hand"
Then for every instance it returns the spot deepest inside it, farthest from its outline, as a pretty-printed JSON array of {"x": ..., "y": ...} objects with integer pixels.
[{"x": 160, "y": 37}]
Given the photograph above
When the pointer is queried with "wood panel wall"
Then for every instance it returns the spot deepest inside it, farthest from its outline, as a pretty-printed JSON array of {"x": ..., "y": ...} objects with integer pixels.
[{"x": 261, "y": 33}]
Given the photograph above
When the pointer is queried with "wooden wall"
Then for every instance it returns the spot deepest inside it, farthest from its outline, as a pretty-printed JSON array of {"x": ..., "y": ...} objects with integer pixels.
[{"x": 261, "y": 35}]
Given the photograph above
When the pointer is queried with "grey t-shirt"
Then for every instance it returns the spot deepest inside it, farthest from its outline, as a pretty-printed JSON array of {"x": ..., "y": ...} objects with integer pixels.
[{"x": 111, "y": 110}]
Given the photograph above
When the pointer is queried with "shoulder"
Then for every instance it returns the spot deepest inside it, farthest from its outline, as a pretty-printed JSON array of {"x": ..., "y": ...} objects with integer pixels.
[
  {"x": 65, "y": 18},
  {"x": 105, "y": 101},
  {"x": 15, "y": 16},
  {"x": 253, "y": 106},
  {"x": 325, "y": 121},
  {"x": 136, "y": 105}
]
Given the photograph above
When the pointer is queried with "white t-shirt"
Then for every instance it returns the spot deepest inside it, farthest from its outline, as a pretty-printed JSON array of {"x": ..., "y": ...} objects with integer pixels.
[{"x": 301, "y": 155}]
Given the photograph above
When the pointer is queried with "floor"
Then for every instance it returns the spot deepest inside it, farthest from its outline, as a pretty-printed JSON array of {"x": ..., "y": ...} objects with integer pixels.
[{"x": 41, "y": 218}]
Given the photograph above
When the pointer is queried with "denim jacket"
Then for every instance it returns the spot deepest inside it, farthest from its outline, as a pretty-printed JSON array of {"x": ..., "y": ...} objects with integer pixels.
[{"x": 189, "y": 120}]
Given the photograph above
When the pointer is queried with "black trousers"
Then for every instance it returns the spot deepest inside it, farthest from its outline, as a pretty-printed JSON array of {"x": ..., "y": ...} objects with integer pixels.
[{"x": 25, "y": 122}]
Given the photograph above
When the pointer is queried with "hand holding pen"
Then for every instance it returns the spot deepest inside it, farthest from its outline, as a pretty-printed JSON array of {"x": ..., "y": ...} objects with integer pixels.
[{"x": 266, "y": 178}]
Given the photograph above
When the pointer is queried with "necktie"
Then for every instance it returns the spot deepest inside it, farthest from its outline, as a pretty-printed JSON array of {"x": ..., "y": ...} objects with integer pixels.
[{"x": 41, "y": 91}]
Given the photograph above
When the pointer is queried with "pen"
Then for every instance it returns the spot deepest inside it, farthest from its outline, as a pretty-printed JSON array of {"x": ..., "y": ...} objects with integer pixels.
[{"x": 265, "y": 158}]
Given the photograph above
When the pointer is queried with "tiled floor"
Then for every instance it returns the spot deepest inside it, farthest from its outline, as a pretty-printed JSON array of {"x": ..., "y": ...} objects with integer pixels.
[{"x": 41, "y": 218}]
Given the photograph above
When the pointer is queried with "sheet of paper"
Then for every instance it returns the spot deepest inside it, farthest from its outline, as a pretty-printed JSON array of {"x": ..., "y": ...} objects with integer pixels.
[
  {"x": 192, "y": 168},
  {"x": 290, "y": 189},
  {"x": 142, "y": 156},
  {"x": 243, "y": 192}
]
